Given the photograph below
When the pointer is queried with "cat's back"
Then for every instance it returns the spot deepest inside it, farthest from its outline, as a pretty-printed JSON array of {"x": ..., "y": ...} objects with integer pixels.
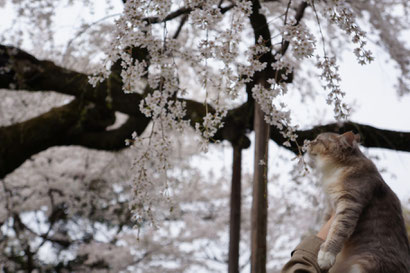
[{"x": 379, "y": 242}]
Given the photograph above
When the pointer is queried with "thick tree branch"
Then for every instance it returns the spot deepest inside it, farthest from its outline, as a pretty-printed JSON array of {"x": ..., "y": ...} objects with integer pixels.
[
  {"x": 66, "y": 126},
  {"x": 111, "y": 140},
  {"x": 76, "y": 123},
  {"x": 22, "y": 71},
  {"x": 371, "y": 137},
  {"x": 25, "y": 72},
  {"x": 21, "y": 140},
  {"x": 43, "y": 75}
]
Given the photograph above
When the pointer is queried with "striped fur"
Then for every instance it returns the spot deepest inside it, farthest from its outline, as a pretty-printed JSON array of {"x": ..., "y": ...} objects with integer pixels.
[{"x": 368, "y": 233}]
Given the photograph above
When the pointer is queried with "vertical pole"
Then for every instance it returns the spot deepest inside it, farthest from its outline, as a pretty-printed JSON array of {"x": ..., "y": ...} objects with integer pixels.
[
  {"x": 260, "y": 192},
  {"x": 235, "y": 218}
]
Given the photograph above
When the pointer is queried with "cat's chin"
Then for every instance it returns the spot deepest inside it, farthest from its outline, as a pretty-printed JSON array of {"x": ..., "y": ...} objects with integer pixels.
[{"x": 311, "y": 162}]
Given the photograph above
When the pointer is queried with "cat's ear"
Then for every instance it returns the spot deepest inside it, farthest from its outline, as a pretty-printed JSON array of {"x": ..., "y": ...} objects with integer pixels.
[
  {"x": 349, "y": 139},
  {"x": 357, "y": 138}
]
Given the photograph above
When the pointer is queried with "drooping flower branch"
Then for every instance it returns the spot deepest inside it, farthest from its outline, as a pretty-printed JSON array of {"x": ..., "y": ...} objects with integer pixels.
[{"x": 221, "y": 62}]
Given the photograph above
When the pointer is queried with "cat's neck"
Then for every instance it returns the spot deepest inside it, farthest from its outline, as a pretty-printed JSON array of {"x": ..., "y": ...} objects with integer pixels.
[
  {"x": 329, "y": 173},
  {"x": 331, "y": 176}
]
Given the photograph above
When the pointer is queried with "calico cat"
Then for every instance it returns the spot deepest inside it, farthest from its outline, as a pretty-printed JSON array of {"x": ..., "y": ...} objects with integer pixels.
[{"x": 368, "y": 234}]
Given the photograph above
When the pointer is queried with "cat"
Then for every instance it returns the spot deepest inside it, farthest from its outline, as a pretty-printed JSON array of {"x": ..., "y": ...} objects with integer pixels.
[{"x": 368, "y": 233}]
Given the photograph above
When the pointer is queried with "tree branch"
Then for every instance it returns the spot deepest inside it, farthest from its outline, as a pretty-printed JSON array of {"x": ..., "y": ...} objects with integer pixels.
[
  {"x": 20, "y": 141},
  {"x": 179, "y": 12},
  {"x": 371, "y": 137},
  {"x": 76, "y": 123},
  {"x": 23, "y": 71},
  {"x": 70, "y": 125},
  {"x": 112, "y": 140}
]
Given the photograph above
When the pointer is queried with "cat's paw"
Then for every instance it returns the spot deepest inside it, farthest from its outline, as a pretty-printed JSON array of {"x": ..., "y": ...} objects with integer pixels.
[{"x": 326, "y": 259}]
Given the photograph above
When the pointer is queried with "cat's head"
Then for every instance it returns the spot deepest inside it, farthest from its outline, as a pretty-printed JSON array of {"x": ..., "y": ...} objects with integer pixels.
[{"x": 333, "y": 149}]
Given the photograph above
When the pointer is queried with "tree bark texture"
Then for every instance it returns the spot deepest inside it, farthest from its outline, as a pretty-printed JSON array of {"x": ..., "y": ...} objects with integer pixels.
[
  {"x": 235, "y": 217},
  {"x": 260, "y": 193}
]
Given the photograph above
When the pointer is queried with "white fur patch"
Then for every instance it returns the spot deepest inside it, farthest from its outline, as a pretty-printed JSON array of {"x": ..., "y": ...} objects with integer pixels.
[
  {"x": 355, "y": 269},
  {"x": 325, "y": 259},
  {"x": 331, "y": 176}
]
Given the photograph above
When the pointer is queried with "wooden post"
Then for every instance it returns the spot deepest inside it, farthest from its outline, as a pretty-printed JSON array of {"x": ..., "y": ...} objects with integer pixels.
[
  {"x": 235, "y": 218},
  {"x": 260, "y": 192}
]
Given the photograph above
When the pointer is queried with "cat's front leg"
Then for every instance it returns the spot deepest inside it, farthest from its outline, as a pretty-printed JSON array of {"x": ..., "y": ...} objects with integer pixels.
[{"x": 346, "y": 217}]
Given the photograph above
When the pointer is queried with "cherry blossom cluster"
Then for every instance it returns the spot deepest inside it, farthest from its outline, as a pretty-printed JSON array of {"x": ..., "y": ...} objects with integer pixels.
[
  {"x": 330, "y": 74},
  {"x": 150, "y": 173},
  {"x": 212, "y": 122},
  {"x": 275, "y": 115},
  {"x": 303, "y": 42},
  {"x": 341, "y": 14},
  {"x": 253, "y": 63}
]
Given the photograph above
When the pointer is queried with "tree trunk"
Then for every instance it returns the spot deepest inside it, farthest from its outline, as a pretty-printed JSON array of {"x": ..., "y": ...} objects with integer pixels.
[
  {"x": 260, "y": 192},
  {"x": 235, "y": 219}
]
